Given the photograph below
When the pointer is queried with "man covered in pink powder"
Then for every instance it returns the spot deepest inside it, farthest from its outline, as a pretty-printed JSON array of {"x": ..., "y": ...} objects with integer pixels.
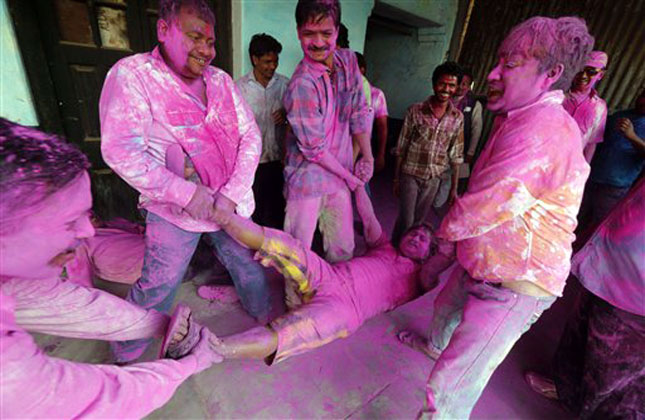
[
  {"x": 44, "y": 202},
  {"x": 585, "y": 106},
  {"x": 171, "y": 100},
  {"x": 332, "y": 300},
  {"x": 327, "y": 110},
  {"x": 514, "y": 226}
]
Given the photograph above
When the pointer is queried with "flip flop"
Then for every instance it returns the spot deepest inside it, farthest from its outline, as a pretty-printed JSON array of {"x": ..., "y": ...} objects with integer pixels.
[{"x": 190, "y": 340}]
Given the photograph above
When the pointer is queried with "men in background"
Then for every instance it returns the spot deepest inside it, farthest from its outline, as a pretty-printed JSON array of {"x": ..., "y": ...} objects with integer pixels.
[
  {"x": 585, "y": 106},
  {"x": 263, "y": 89},
  {"x": 465, "y": 101},
  {"x": 326, "y": 109},
  {"x": 514, "y": 225},
  {"x": 598, "y": 365},
  {"x": 431, "y": 142},
  {"x": 45, "y": 204},
  {"x": 172, "y": 100},
  {"x": 619, "y": 161},
  {"x": 378, "y": 111}
]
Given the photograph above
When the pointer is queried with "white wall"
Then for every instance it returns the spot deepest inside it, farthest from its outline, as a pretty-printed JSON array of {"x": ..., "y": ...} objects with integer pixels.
[
  {"x": 16, "y": 103},
  {"x": 277, "y": 18}
]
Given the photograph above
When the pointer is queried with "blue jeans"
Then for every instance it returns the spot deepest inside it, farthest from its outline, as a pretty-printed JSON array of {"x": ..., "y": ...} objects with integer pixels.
[
  {"x": 169, "y": 250},
  {"x": 487, "y": 323}
]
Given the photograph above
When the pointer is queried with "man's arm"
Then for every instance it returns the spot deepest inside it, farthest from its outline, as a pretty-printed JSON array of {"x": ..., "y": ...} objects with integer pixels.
[
  {"x": 371, "y": 226},
  {"x": 125, "y": 120},
  {"x": 626, "y": 127},
  {"x": 515, "y": 176},
  {"x": 476, "y": 128},
  {"x": 248, "y": 152},
  {"x": 402, "y": 148},
  {"x": 358, "y": 126},
  {"x": 456, "y": 156},
  {"x": 380, "y": 124},
  {"x": 596, "y": 133},
  {"x": 65, "y": 309}
]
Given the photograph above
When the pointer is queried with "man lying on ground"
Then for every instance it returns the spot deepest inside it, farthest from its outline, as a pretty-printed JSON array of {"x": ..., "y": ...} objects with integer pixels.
[
  {"x": 331, "y": 300},
  {"x": 44, "y": 202}
]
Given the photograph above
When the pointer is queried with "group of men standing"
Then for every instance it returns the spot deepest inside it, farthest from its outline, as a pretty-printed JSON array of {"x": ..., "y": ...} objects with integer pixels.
[{"x": 202, "y": 150}]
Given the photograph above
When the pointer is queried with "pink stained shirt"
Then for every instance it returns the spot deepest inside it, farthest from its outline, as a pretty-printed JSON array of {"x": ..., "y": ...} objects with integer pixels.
[
  {"x": 34, "y": 385},
  {"x": 145, "y": 108},
  {"x": 516, "y": 221},
  {"x": 379, "y": 104},
  {"x": 611, "y": 265},
  {"x": 590, "y": 114}
]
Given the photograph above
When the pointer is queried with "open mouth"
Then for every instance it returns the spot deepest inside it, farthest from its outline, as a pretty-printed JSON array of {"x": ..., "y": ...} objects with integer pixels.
[
  {"x": 200, "y": 61},
  {"x": 494, "y": 93},
  {"x": 63, "y": 258}
]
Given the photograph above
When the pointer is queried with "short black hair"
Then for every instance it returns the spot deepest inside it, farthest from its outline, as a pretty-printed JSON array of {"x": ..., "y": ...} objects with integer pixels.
[
  {"x": 169, "y": 9},
  {"x": 263, "y": 44},
  {"x": 343, "y": 36},
  {"x": 307, "y": 10},
  {"x": 467, "y": 71},
  {"x": 361, "y": 60},
  {"x": 449, "y": 68}
]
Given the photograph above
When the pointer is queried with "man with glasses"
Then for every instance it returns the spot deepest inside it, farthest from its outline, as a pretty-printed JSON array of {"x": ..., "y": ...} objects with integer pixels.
[{"x": 585, "y": 106}]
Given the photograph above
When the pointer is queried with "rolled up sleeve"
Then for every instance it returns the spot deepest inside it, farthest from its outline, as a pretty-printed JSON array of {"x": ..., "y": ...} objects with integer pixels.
[{"x": 304, "y": 105}]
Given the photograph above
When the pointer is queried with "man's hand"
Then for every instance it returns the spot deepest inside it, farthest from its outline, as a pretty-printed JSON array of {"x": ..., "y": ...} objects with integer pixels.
[
  {"x": 224, "y": 208},
  {"x": 452, "y": 196},
  {"x": 200, "y": 205},
  {"x": 353, "y": 182},
  {"x": 626, "y": 127},
  {"x": 279, "y": 116},
  {"x": 204, "y": 352},
  {"x": 363, "y": 169}
]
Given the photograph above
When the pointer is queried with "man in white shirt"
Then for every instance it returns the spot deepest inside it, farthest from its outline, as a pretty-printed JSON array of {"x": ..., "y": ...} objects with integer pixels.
[{"x": 263, "y": 89}]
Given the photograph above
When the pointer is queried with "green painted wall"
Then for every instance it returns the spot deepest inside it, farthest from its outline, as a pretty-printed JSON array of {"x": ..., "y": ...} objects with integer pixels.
[
  {"x": 276, "y": 18},
  {"x": 402, "y": 65},
  {"x": 16, "y": 103}
]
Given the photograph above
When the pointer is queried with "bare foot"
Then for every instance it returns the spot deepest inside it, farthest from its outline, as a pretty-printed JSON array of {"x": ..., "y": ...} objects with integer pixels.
[
  {"x": 418, "y": 343},
  {"x": 543, "y": 385}
]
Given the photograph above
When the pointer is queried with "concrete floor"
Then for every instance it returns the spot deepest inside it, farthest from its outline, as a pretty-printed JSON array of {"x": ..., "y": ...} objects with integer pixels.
[{"x": 367, "y": 375}]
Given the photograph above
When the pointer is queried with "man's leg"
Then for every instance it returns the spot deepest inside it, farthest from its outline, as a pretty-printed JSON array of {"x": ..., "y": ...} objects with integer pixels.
[
  {"x": 168, "y": 253},
  {"x": 408, "y": 196},
  {"x": 447, "y": 314},
  {"x": 301, "y": 218},
  {"x": 337, "y": 226},
  {"x": 494, "y": 318},
  {"x": 249, "y": 277},
  {"x": 427, "y": 193}
]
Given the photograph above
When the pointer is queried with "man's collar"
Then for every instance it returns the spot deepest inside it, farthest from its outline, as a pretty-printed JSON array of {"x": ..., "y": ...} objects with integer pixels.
[
  {"x": 317, "y": 68},
  {"x": 547, "y": 98},
  {"x": 450, "y": 108}
]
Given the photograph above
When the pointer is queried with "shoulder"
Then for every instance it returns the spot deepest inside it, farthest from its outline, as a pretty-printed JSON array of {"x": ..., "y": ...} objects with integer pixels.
[
  {"x": 282, "y": 79},
  {"x": 132, "y": 63},
  {"x": 346, "y": 56},
  {"x": 220, "y": 76}
]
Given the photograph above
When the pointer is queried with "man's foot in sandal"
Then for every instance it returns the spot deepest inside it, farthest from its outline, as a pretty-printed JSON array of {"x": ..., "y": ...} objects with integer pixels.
[{"x": 419, "y": 343}]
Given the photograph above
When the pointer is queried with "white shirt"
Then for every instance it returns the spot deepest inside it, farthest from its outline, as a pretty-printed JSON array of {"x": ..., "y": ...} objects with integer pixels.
[{"x": 264, "y": 102}]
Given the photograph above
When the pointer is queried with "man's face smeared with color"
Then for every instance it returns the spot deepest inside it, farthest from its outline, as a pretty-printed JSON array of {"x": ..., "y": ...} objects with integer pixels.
[
  {"x": 515, "y": 82},
  {"x": 188, "y": 43},
  {"x": 415, "y": 244},
  {"x": 445, "y": 87},
  {"x": 45, "y": 239},
  {"x": 586, "y": 79},
  {"x": 318, "y": 39}
]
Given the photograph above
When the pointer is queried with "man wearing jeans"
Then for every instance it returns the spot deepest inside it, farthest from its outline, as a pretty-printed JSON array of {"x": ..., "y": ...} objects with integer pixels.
[
  {"x": 514, "y": 226},
  {"x": 168, "y": 105}
]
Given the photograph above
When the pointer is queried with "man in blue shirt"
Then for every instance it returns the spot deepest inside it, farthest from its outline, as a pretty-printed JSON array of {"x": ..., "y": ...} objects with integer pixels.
[{"x": 617, "y": 164}]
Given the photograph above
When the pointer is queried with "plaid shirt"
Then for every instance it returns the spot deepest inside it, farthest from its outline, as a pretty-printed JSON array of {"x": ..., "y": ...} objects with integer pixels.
[
  {"x": 324, "y": 112},
  {"x": 427, "y": 144}
]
